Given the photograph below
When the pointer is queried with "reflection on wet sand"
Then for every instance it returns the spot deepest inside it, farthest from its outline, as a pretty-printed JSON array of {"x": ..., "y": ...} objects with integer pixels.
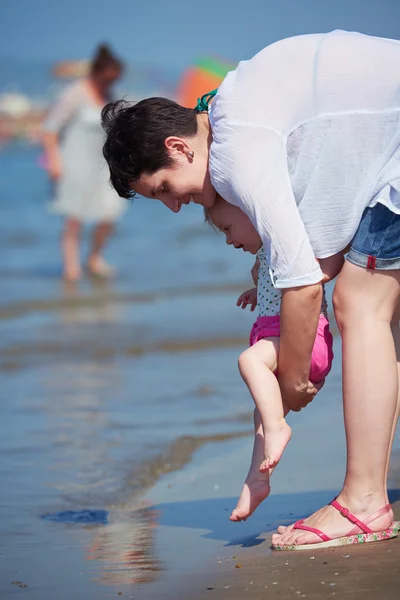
[
  {"x": 125, "y": 547},
  {"x": 90, "y": 467},
  {"x": 85, "y": 473}
]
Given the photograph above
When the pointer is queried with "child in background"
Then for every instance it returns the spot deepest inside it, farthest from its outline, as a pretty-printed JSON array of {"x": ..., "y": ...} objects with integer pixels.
[{"x": 258, "y": 364}]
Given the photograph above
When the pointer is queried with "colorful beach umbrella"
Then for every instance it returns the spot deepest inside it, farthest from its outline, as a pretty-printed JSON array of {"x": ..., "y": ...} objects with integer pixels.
[{"x": 205, "y": 75}]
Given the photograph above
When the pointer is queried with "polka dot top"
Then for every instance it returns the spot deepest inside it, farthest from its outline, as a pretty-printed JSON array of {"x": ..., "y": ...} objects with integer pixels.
[{"x": 269, "y": 297}]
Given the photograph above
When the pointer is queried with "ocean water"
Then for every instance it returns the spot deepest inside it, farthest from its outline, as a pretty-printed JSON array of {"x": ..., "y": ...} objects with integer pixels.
[{"x": 106, "y": 386}]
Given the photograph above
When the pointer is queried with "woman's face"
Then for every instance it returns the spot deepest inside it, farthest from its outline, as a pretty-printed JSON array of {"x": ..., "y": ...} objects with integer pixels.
[{"x": 187, "y": 180}]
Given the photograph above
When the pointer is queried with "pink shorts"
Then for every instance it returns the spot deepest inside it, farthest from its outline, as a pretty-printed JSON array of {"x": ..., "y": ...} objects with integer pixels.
[{"x": 322, "y": 354}]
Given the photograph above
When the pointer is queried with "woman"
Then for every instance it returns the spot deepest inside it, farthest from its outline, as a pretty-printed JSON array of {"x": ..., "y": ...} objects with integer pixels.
[
  {"x": 305, "y": 139},
  {"x": 72, "y": 141}
]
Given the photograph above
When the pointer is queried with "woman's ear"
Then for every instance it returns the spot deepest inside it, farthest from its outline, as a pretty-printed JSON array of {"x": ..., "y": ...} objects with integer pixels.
[{"x": 177, "y": 146}]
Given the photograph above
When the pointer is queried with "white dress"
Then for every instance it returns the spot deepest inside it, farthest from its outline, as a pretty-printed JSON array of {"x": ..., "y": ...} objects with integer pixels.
[
  {"x": 83, "y": 191},
  {"x": 306, "y": 135}
]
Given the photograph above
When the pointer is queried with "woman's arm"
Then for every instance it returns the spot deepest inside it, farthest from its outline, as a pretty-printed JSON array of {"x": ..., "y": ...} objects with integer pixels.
[
  {"x": 300, "y": 311},
  {"x": 251, "y": 172},
  {"x": 53, "y": 155},
  {"x": 57, "y": 119}
]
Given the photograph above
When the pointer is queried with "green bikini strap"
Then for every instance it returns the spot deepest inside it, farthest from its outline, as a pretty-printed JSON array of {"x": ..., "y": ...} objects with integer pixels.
[{"x": 204, "y": 101}]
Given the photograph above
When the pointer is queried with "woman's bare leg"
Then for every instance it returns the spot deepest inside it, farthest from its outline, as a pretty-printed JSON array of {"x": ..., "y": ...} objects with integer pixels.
[
  {"x": 365, "y": 303},
  {"x": 70, "y": 249},
  {"x": 396, "y": 337},
  {"x": 96, "y": 263}
]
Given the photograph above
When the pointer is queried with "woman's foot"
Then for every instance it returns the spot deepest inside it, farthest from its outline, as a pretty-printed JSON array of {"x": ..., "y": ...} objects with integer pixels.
[
  {"x": 274, "y": 444},
  {"x": 97, "y": 266},
  {"x": 255, "y": 489},
  {"x": 331, "y": 522}
]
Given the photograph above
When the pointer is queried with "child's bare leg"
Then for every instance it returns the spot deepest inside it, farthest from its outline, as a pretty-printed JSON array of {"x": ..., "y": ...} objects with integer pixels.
[
  {"x": 257, "y": 365},
  {"x": 256, "y": 487}
]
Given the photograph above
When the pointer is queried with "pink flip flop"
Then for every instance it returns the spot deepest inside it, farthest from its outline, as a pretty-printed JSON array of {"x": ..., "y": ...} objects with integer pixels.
[{"x": 354, "y": 537}]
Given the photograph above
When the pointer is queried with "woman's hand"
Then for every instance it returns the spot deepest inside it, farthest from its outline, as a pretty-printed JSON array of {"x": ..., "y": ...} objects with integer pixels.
[
  {"x": 54, "y": 167},
  {"x": 52, "y": 155},
  {"x": 248, "y": 298},
  {"x": 296, "y": 397}
]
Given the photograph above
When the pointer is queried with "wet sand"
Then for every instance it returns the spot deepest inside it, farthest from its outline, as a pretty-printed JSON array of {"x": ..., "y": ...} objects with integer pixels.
[
  {"x": 356, "y": 572},
  {"x": 370, "y": 572}
]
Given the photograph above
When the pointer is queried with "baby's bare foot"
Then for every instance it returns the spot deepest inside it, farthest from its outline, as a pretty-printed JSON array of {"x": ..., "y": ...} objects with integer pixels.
[
  {"x": 255, "y": 489},
  {"x": 274, "y": 444}
]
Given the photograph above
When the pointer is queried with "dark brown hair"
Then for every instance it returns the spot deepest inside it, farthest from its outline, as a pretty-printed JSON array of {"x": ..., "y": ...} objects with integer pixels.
[
  {"x": 103, "y": 59},
  {"x": 136, "y": 134}
]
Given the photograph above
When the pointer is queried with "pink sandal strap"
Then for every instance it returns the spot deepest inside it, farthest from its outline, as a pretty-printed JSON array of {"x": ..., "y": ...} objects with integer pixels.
[
  {"x": 346, "y": 513},
  {"x": 321, "y": 534},
  {"x": 379, "y": 513},
  {"x": 363, "y": 525}
]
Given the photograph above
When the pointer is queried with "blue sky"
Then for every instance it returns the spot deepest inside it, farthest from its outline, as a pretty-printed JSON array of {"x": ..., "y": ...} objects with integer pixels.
[{"x": 176, "y": 32}]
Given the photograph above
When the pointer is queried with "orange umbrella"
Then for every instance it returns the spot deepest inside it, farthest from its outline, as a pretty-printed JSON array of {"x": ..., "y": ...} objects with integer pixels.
[{"x": 201, "y": 78}]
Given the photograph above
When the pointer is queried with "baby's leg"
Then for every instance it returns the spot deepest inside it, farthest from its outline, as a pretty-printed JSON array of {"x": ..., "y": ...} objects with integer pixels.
[
  {"x": 256, "y": 487},
  {"x": 257, "y": 365}
]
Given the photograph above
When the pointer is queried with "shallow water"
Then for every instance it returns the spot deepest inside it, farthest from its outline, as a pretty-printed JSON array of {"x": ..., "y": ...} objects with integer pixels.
[{"x": 106, "y": 386}]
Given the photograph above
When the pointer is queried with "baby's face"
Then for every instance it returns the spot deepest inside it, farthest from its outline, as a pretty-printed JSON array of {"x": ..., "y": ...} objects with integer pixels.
[{"x": 237, "y": 227}]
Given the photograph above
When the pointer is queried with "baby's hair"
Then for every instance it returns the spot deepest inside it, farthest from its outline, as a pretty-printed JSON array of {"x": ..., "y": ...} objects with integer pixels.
[
  {"x": 208, "y": 219},
  {"x": 207, "y": 216}
]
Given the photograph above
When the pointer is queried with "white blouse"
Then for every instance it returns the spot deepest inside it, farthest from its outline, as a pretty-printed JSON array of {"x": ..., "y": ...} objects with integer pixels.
[{"x": 306, "y": 135}]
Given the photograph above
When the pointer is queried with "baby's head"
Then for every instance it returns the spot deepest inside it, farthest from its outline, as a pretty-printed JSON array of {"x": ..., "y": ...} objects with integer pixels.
[{"x": 235, "y": 224}]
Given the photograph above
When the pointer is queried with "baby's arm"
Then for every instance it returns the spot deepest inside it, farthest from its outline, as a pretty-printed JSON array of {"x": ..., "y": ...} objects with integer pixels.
[
  {"x": 248, "y": 298},
  {"x": 254, "y": 270},
  {"x": 332, "y": 265}
]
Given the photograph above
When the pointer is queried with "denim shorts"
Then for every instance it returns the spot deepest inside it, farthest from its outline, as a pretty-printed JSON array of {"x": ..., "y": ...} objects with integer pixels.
[{"x": 376, "y": 244}]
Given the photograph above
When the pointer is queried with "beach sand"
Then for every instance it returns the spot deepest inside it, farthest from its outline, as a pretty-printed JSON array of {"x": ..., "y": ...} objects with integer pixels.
[{"x": 369, "y": 573}]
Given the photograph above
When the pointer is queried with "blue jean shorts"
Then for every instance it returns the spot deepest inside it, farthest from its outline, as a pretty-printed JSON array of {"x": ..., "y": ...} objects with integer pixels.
[{"x": 376, "y": 244}]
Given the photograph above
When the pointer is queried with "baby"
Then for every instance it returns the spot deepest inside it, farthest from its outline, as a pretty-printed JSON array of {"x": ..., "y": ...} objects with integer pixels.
[{"x": 258, "y": 364}]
